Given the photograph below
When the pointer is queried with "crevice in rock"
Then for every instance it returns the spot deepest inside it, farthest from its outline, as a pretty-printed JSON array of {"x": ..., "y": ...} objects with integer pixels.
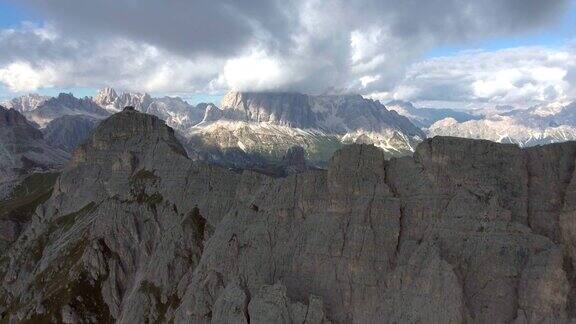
[
  {"x": 395, "y": 193},
  {"x": 200, "y": 227},
  {"x": 244, "y": 286},
  {"x": 400, "y": 232},
  {"x": 568, "y": 268}
]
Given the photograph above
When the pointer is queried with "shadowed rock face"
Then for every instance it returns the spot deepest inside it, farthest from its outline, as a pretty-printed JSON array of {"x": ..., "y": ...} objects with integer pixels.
[
  {"x": 68, "y": 132},
  {"x": 294, "y": 160},
  {"x": 463, "y": 231},
  {"x": 23, "y": 148}
]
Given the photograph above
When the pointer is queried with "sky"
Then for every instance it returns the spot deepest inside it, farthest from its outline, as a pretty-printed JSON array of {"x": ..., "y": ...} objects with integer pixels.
[{"x": 436, "y": 53}]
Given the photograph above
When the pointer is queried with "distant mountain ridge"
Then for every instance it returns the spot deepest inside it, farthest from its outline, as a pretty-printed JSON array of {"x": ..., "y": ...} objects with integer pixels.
[
  {"x": 524, "y": 127},
  {"x": 425, "y": 117},
  {"x": 42, "y": 110},
  {"x": 26, "y": 103},
  {"x": 248, "y": 127},
  {"x": 177, "y": 113},
  {"x": 254, "y": 128},
  {"x": 331, "y": 113}
]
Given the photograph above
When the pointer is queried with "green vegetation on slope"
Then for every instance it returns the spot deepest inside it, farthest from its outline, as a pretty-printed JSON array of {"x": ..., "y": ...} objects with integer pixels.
[{"x": 27, "y": 196}]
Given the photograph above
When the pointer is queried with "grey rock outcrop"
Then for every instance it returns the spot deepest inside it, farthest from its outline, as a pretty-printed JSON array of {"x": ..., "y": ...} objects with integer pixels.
[
  {"x": 68, "y": 132},
  {"x": 333, "y": 113},
  {"x": 294, "y": 160},
  {"x": 211, "y": 113},
  {"x": 23, "y": 149},
  {"x": 99, "y": 243},
  {"x": 460, "y": 232},
  {"x": 399, "y": 240}
]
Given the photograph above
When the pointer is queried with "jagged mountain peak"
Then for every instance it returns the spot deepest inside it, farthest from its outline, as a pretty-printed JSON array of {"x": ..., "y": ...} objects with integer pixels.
[
  {"x": 233, "y": 98},
  {"x": 134, "y": 123},
  {"x": 11, "y": 117},
  {"x": 26, "y": 103},
  {"x": 334, "y": 113},
  {"x": 65, "y": 104},
  {"x": 113, "y": 101},
  {"x": 106, "y": 96},
  {"x": 128, "y": 128}
]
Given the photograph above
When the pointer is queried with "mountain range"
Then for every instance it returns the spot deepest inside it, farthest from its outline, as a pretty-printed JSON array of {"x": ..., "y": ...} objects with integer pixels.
[
  {"x": 248, "y": 129},
  {"x": 425, "y": 117},
  {"x": 268, "y": 124},
  {"x": 255, "y": 130},
  {"x": 134, "y": 230},
  {"x": 525, "y": 127}
]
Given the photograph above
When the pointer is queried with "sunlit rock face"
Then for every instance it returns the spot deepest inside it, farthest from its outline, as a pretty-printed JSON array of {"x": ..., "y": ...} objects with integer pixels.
[{"x": 266, "y": 124}]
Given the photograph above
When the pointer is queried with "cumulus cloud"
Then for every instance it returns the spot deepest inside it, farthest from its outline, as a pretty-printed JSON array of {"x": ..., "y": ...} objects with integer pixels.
[
  {"x": 19, "y": 77},
  {"x": 39, "y": 57},
  {"x": 361, "y": 46},
  {"x": 521, "y": 76}
]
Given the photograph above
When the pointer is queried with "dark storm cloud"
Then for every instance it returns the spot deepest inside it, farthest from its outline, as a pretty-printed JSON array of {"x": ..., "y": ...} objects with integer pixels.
[
  {"x": 199, "y": 26},
  {"x": 222, "y": 27},
  {"x": 456, "y": 20}
]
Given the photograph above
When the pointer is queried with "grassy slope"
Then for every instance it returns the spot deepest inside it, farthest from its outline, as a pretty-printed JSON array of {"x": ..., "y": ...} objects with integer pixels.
[{"x": 34, "y": 190}]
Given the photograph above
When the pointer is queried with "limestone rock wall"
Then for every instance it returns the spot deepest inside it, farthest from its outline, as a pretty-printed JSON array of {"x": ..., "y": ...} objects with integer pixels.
[{"x": 464, "y": 231}]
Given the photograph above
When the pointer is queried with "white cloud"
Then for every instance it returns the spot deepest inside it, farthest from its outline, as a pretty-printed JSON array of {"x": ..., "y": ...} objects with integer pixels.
[
  {"x": 42, "y": 58},
  {"x": 256, "y": 71},
  {"x": 522, "y": 76},
  {"x": 367, "y": 79},
  {"x": 20, "y": 77}
]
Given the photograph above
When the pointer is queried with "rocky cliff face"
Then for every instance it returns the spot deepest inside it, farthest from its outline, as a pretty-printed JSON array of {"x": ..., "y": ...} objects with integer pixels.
[
  {"x": 268, "y": 124},
  {"x": 332, "y": 113},
  {"x": 23, "y": 148},
  {"x": 462, "y": 231},
  {"x": 288, "y": 109},
  {"x": 68, "y": 132}
]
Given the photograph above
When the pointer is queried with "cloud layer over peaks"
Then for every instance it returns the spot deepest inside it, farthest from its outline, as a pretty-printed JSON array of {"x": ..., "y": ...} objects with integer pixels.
[{"x": 364, "y": 46}]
